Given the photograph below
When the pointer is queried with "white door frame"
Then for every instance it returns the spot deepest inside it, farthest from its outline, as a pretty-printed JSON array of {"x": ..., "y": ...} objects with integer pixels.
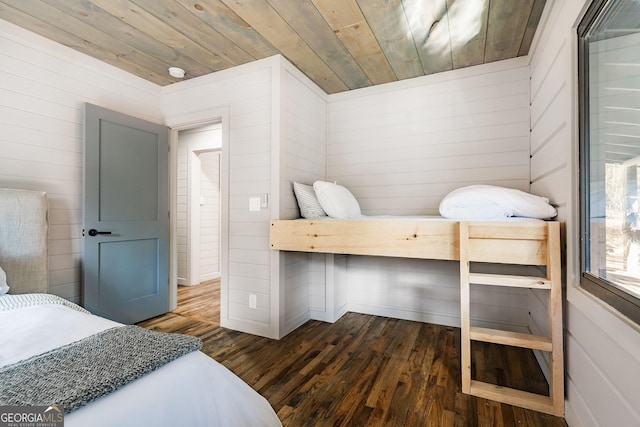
[{"x": 189, "y": 121}]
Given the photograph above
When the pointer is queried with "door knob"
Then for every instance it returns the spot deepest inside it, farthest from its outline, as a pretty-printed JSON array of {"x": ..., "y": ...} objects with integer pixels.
[{"x": 94, "y": 232}]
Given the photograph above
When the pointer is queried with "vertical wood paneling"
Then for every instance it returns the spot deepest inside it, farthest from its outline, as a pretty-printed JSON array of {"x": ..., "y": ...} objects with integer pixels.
[
  {"x": 601, "y": 349},
  {"x": 43, "y": 88}
]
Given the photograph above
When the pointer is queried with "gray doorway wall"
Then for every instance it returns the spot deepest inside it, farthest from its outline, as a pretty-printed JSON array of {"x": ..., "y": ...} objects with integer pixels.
[{"x": 126, "y": 209}]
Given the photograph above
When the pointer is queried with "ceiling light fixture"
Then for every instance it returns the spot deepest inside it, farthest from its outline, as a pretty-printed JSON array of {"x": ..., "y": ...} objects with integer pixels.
[{"x": 176, "y": 72}]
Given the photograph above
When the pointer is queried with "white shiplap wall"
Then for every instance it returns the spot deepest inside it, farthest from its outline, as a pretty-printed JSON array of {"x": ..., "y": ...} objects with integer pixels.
[
  {"x": 602, "y": 348},
  {"x": 302, "y": 158},
  {"x": 43, "y": 88},
  {"x": 210, "y": 216},
  {"x": 182, "y": 211},
  {"x": 400, "y": 148},
  {"x": 551, "y": 134},
  {"x": 246, "y": 92}
]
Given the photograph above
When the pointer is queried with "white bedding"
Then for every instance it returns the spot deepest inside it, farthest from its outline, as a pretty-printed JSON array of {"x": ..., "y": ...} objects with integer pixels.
[
  {"x": 396, "y": 218},
  {"x": 493, "y": 202},
  {"x": 193, "y": 390}
]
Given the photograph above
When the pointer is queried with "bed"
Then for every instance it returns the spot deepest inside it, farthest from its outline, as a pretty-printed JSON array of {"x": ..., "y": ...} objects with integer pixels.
[
  {"x": 428, "y": 237},
  {"x": 484, "y": 224},
  {"x": 333, "y": 223},
  {"x": 42, "y": 331}
]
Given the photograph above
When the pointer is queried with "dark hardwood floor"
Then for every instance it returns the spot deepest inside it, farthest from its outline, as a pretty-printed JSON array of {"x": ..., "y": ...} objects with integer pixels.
[{"x": 362, "y": 370}]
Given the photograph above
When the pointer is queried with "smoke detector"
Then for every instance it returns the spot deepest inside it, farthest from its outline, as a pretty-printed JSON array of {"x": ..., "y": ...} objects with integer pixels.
[{"x": 176, "y": 72}]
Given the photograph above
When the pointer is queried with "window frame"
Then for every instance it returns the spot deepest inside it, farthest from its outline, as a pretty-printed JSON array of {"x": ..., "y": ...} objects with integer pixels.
[{"x": 622, "y": 301}]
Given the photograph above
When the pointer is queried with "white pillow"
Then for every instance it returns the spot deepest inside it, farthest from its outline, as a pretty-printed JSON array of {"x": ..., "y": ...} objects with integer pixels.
[
  {"x": 308, "y": 202},
  {"x": 4, "y": 288},
  {"x": 489, "y": 201},
  {"x": 336, "y": 200}
]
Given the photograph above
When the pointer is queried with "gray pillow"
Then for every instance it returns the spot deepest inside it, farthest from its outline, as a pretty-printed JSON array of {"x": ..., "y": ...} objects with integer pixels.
[{"x": 308, "y": 202}]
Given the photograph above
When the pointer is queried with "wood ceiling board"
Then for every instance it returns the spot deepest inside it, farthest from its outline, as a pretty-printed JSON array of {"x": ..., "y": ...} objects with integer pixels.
[
  {"x": 104, "y": 21},
  {"x": 305, "y": 19},
  {"x": 429, "y": 25},
  {"x": 370, "y": 57},
  {"x": 340, "y": 14},
  {"x": 398, "y": 38},
  {"x": 388, "y": 21},
  {"x": 532, "y": 24},
  {"x": 506, "y": 27},
  {"x": 217, "y": 15},
  {"x": 156, "y": 29},
  {"x": 196, "y": 30},
  {"x": 261, "y": 16},
  {"x": 467, "y": 31},
  {"x": 346, "y": 20},
  {"x": 131, "y": 60}
]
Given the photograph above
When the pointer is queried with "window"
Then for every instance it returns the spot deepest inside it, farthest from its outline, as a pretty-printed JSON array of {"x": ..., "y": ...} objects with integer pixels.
[{"x": 609, "y": 58}]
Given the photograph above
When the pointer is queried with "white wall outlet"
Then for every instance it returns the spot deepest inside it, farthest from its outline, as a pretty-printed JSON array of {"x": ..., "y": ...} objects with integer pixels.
[
  {"x": 254, "y": 203},
  {"x": 252, "y": 301}
]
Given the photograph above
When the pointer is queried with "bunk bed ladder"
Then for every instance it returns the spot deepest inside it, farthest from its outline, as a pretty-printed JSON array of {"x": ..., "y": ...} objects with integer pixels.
[{"x": 482, "y": 243}]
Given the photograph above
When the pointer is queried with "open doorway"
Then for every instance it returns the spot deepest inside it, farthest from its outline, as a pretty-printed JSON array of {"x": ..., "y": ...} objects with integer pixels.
[{"x": 198, "y": 210}]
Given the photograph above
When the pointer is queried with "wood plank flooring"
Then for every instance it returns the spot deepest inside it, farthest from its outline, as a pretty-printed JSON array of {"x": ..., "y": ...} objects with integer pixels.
[{"x": 362, "y": 370}]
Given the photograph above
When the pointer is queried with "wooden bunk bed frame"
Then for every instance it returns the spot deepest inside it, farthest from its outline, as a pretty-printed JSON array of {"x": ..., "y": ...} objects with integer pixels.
[{"x": 534, "y": 243}]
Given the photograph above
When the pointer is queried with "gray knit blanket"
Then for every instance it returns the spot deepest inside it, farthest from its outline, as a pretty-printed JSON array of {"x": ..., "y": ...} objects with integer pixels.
[{"x": 78, "y": 373}]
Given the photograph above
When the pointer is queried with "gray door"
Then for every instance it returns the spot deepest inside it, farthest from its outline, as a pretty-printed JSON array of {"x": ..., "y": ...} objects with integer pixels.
[{"x": 126, "y": 226}]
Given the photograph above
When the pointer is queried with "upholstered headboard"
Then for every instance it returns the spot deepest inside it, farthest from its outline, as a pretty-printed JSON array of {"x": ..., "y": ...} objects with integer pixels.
[{"x": 23, "y": 240}]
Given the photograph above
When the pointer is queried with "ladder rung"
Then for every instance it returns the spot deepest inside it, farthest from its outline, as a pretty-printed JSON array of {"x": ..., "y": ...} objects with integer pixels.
[
  {"x": 509, "y": 280},
  {"x": 511, "y": 396},
  {"x": 516, "y": 339}
]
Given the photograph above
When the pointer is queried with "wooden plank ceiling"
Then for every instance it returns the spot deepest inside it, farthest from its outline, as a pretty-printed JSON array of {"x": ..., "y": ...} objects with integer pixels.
[{"x": 339, "y": 44}]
